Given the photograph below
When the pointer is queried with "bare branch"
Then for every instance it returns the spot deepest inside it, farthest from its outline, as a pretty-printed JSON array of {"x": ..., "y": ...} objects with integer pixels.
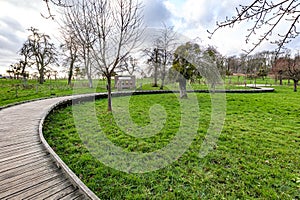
[{"x": 269, "y": 15}]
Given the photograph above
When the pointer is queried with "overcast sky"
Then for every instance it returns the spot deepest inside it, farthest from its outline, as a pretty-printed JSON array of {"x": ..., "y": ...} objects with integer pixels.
[{"x": 191, "y": 18}]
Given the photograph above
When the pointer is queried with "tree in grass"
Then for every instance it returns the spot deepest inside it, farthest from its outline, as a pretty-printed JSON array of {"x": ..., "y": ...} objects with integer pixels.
[
  {"x": 26, "y": 61},
  {"x": 280, "y": 68},
  {"x": 154, "y": 61},
  {"x": 78, "y": 38},
  {"x": 71, "y": 50},
  {"x": 183, "y": 66},
  {"x": 166, "y": 43},
  {"x": 290, "y": 67},
  {"x": 161, "y": 55},
  {"x": 294, "y": 70},
  {"x": 189, "y": 61},
  {"x": 41, "y": 52},
  {"x": 114, "y": 31}
]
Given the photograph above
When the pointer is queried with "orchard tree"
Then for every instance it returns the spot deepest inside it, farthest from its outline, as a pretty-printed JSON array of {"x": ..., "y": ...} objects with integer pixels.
[
  {"x": 111, "y": 30},
  {"x": 78, "y": 36},
  {"x": 154, "y": 61},
  {"x": 160, "y": 56},
  {"x": 267, "y": 15},
  {"x": 70, "y": 48},
  {"x": 183, "y": 66},
  {"x": 128, "y": 65},
  {"x": 289, "y": 67},
  {"x": 216, "y": 57},
  {"x": 166, "y": 45},
  {"x": 190, "y": 60},
  {"x": 41, "y": 51},
  {"x": 25, "y": 62},
  {"x": 15, "y": 69},
  {"x": 294, "y": 70},
  {"x": 280, "y": 68}
]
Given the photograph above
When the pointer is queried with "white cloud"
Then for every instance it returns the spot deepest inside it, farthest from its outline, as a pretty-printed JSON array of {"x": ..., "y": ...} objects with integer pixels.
[
  {"x": 15, "y": 18},
  {"x": 156, "y": 13},
  {"x": 191, "y": 18}
]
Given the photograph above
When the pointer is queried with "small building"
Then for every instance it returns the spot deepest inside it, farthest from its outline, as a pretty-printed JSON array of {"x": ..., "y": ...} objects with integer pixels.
[{"x": 125, "y": 82}]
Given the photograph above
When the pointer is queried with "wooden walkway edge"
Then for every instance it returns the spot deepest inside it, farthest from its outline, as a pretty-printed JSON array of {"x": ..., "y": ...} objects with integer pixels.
[{"x": 29, "y": 168}]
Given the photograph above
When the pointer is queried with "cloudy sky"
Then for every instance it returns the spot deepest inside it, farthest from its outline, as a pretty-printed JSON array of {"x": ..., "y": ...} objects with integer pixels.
[{"x": 192, "y": 18}]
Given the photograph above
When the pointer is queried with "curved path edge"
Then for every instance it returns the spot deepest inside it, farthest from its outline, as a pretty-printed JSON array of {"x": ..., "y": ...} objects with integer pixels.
[
  {"x": 30, "y": 117},
  {"x": 88, "y": 97},
  {"x": 59, "y": 162}
]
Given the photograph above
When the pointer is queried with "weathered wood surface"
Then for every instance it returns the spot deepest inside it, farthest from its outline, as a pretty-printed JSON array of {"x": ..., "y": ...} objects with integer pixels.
[{"x": 27, "y": 170}]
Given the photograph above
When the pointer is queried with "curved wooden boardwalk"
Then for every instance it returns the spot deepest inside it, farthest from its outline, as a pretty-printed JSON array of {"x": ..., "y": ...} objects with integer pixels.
[{"x": 27, "y": 171}]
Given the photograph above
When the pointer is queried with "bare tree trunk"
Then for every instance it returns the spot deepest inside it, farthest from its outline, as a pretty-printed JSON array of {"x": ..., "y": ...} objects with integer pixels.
[
  {"x": 109, "y": 101},
  {"x": 90, "y": 81},
  {"x": 155, "y": 75},
  {"x": 42, "y": 76},
  {"x": 280, "y": 80},
  {"x": 182, "y": 88},
  {"x": 163, "y": 76},
  {"x": 295, "y": 85},
  {"x": 70, "y": 73},
  {"x": 162, "y": 82}
]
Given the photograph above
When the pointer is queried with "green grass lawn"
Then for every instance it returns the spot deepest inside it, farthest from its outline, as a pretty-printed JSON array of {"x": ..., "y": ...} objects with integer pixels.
[
  {"x": 13, "y": 91},
  {"x": 257, "y": 156}
]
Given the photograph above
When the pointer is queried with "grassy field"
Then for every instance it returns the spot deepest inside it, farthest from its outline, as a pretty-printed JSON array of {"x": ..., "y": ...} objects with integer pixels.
[
  {"x": 257, "y": 155},
  {"x": 13, "y": 91}
]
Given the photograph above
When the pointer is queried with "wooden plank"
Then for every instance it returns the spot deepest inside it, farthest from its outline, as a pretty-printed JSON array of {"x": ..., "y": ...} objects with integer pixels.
[
  {"x": 35, "y": 186},
  {"x": 6, "y": 143},
  {"x": 17, "y": 171},
  {"x": 22, "y": 194},
  {"x": 21, "y": 145},
  {"x": 63, "y": 192},
  {"x": 21, "y": 155},
  {"x": 51, "y": 190},
  {"x": 80, "y": 197},
  {"x": 72, "y": 195},
  {"x": 26, "y": 179},
  {"x": 18, "y": 135},
  {"x": 18, "y": 144},
  {"x": 22, "y": 161},
  {"x": 20, "y": 151}
]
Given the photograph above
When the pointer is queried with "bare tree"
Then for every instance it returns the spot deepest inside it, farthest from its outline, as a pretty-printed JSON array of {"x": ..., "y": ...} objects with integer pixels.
[
  {"x": 107, "y": 31},
  {"x": 26, "y": 61},
  {"x": 78, "y": 25},
  {"x": 160, "y": 56},
  {"x": 289, "y": 67},
  {"x": 267, "y": 14},
  {"x": 129, "y": 65},
  {"x": 42, "y": 51},
  {"x": 154, "y": 61},
  {"x": 70, "y": 47},
  {"x": 166, "y": 43},
  {"x": 116, "y": 26},
  {"x": 58, "y": 3}
]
